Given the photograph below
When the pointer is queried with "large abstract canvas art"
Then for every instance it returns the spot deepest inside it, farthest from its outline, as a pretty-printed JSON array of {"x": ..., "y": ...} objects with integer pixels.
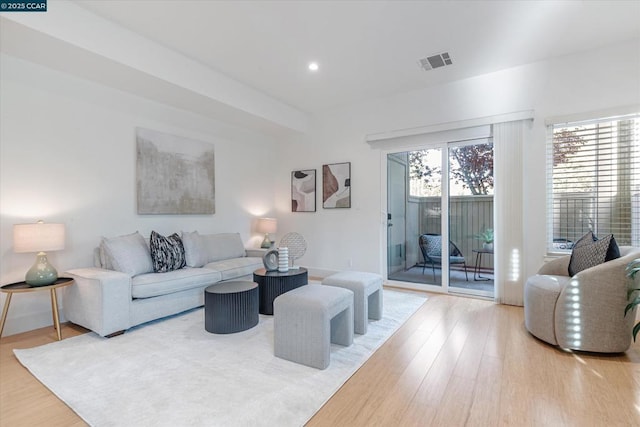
[
  {"x": 336, "y": 185},
  {"x": 303, "y": 190},
  {"x": 175, "y": 175}
]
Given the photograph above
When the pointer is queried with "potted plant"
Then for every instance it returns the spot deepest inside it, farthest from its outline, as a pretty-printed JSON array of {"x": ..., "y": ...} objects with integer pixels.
[
  {"x": 487, "y": 239},
  {"x": 632, "y": 270}
]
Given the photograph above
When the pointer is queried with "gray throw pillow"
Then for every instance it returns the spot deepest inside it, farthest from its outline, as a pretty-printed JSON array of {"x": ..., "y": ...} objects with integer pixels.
[
  {"x": 590, "y": 251},
  {"x": 167, "y": 253},
  {"x": 128, "y": 254},
  {"x": 221, "y": 246},
  {"x": 195, "y": 254}
]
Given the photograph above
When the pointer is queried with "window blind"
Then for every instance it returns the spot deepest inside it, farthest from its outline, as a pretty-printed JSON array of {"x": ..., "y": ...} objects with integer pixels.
[{"x": 593, "y": 180}]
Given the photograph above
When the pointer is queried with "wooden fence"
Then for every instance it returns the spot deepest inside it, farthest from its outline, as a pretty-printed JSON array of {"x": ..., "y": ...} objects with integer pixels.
[{"x": 468, "y": 216}]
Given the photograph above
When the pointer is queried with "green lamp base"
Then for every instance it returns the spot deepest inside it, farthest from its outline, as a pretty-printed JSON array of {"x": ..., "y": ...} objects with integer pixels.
[
  {"x": 266, "y": 243},
  {"x": 41, "y": 273}
]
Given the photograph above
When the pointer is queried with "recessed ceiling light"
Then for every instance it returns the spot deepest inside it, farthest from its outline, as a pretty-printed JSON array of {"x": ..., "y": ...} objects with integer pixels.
[{"x": 313, "y": 66}]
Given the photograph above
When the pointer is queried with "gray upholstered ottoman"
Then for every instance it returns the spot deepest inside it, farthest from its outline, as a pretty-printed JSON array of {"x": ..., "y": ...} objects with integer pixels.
[
  {"x": 367, "y": 290},
  {"x": 308, "y": 319}
]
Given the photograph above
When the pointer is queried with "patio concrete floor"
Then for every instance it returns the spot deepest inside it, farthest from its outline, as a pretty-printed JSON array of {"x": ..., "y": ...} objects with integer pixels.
[{"x": 457, "y": 278}]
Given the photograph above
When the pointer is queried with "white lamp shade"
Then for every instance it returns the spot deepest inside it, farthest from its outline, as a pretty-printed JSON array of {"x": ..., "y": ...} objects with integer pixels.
[
  {"x": 38, "y": 237},
  {"x": 267, "y": 225}
]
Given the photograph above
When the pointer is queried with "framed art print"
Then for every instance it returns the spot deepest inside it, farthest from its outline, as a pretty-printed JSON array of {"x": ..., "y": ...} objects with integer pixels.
[
  {"x": 174, "y": 175},
  {"x": 303, "y": 190},
  {"x": 336, "y": 185}
]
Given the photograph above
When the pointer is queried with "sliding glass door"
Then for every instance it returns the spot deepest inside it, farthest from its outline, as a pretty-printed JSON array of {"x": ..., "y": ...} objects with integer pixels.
[
  {"x": 470, "y": 201},
  {"x": 448, "y": 209},
  {"x": 425, "y": 208}
]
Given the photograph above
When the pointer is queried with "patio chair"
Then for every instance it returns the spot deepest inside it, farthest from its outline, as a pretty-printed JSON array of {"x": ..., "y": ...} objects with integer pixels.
[{"x": 431, "y": 248}]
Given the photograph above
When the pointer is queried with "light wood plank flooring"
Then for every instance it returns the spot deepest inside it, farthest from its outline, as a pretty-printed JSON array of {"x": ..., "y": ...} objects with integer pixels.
[{"x": 456, "y": 362}]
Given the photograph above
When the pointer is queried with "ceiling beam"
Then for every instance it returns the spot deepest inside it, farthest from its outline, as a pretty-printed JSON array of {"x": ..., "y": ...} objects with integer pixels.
[{"x": 72, "y": 39}]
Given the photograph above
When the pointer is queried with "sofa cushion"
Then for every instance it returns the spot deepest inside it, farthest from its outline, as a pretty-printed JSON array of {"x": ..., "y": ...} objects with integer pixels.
[
  {"x": 203, "y": 248},
  {"x": 155, "y": 284},
  {"x": 128, "y": 254},
  {"x": 222, "y": 246},
  {"x": 104, "y": 258},
  {"x": 590, "y": 251},
  {"x": 236, "y": 267},
  {"x": 167, "y": 253},
  {"x": 195, "y": 254}
]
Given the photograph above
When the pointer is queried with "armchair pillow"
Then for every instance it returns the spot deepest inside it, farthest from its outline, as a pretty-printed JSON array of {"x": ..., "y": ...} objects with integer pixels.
[{"x": 590, "y": 251}]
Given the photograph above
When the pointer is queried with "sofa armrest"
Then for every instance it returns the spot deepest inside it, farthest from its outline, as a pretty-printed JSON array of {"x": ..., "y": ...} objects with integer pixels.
[
  {"x": 99, "y": 300},
  {"x": 556, "y": 267},
  {"x": 257, "y": 253}
]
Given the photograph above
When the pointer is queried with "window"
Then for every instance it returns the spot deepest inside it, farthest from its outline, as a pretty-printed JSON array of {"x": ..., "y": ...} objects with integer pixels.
[
  {"x": 593, "y": 180},
  {"x": 470, "y": 167}
]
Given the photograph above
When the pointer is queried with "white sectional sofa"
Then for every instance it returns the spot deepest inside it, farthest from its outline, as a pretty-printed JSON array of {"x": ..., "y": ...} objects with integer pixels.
[{"x": 122, "y": 290}]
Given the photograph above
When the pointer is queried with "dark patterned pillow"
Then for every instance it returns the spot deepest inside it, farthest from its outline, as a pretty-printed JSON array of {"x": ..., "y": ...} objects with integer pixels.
[
  {"x": 167, "y": 253},
  {"x": 590, "y": 251},
  {"x": 614, "y": 251}
]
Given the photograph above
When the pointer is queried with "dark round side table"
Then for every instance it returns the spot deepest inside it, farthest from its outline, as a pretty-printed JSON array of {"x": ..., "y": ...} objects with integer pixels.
[
  {"x": 230, "y": 307},
  {"x": 476, "y": 271},
  {"x": 272, "y": 284},
  {"x": 20, "y": 287}
]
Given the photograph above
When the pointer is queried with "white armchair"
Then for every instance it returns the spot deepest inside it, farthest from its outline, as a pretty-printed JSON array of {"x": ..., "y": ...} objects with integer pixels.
[{"x": 584, "y": 312}]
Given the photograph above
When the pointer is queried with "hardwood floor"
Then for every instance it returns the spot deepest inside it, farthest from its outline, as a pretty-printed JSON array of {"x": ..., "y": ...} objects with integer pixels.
[
  {"x": 457, "y": 361},
  {"x": 24, "y": 401}
]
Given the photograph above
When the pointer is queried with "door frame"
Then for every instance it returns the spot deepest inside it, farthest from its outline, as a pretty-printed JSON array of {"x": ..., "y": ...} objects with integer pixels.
[{"x": 404, "y": 231}]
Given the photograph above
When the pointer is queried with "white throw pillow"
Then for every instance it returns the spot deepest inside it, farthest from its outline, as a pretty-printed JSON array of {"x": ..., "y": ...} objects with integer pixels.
[
  {"x": 128, "y": 254},
  {"x": 103, "y": 258},
  {"x": 222, "y": 246},
  {"x": 194, "y": 251}
]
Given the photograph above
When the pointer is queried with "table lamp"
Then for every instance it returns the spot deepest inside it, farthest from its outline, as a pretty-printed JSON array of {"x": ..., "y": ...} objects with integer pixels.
[
  {"x": 39, "y": 237},
  {"x": 266, "y": 226}
]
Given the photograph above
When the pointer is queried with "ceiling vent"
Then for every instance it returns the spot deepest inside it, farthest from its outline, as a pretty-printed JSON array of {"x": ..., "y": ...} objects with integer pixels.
[{"x": 435, "y": 61}]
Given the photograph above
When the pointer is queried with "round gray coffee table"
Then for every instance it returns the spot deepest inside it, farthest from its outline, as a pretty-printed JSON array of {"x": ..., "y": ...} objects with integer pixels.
[
  {"x": 230, "y": 307},
  {"x": 272, "y": 284}
]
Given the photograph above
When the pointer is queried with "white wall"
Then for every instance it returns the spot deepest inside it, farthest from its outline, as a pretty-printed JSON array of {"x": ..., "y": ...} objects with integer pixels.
[
  {"x": 589, "y": 81},
  {"x": 67, "y": 154}
]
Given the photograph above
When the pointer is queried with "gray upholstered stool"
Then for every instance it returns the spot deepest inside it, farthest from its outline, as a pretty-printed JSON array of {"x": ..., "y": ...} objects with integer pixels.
[
  {"x": 367, "y": 290},
  {"x": 308, "y": 319}
]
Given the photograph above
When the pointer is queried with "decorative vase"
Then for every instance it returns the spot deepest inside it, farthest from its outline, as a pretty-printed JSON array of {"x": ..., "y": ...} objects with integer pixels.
[
  {"x": 270, "y": 260},
  {"x": 283, "y": 260}
]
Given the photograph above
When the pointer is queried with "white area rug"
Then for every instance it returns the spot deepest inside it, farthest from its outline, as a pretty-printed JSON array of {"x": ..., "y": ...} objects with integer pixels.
[{"x": 174, "y": 373}]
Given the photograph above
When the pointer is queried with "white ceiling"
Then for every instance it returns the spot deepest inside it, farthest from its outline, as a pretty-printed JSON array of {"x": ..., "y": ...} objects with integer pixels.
[{"x": 368, "y": 49}]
